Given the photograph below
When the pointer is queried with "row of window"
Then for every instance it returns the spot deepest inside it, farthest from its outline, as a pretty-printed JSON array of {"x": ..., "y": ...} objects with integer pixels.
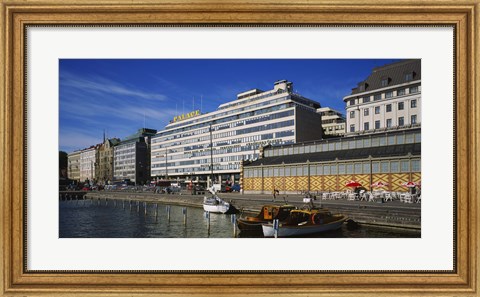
[
  {"x": 346, "y": 144},
  {"x": 388, "y": 123},
  {"x": 173, "y": 129},
  {"x": 185, "y": 171},
  {"x": 388, "y": 108},
  {"x": 386, "y": 95},
  {"x": 206, "y": 131},
  {"x": 374, "y": 167}
]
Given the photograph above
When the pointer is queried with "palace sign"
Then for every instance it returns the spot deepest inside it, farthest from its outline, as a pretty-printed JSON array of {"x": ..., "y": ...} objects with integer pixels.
[{"x": 186, "y": 116}]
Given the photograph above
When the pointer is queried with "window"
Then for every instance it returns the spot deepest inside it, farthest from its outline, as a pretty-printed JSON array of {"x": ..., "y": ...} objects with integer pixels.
[
  {"x": 409, "y": 76},
  {"x": 384, "y": 167},
  {"x": 366, "y": 126},
  {"x": 352, "y": 114},
  {"x": 413, "y": 103},
  {"x": 404, "y": 166},
  {"x": 389, "y": 123},
  {"x": 366, "y": 167},
  {"x": 341, "y": 169},
  {"x": 375, "y": 167},
  {"x": 389, "y": 94},
  {"x": 394, "y": 167},
  {"x": 361, "y": 87},
  {"x": 352, "y": 128},
  {"x": 413, "y": 119},
  {"x": 415, "y": 165},
  {"x": 377, "y": 124},
  {"x": 358, "y": 168},
  {"x": 366, "y": 111},
  {"x": 326, "y": 169},
  {"x": 333, "y": 169},
  {"x": 388, "y": 108},
  {"x": 401, "y": 92},
  {"x": 352, "y": 102},
  {"x": 401, "y": 121},
  {"x": 384, "y": 82},
  {"x": 377, "y": 97},
  {"x": 377, "y": 109},
  {"x": 349, "y": 168},
  {"x": 401, "y": 105},
  {"x": 413, "y": 90}
]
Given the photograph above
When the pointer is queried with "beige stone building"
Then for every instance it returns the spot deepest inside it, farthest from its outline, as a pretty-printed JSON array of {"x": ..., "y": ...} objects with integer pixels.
[
  {"x": 74, "y": 165},
  {"x": 104, "y": 161},
  {"x": 389, "y": 98}
]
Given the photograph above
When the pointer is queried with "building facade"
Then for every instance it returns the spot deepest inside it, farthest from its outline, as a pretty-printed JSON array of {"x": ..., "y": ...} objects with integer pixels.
[
  {"x": 389, "y": 97},
  {"x": 88, "y": 159},
  {"x": 392, "y": 157},
  {"x": 333, "y": 121},
  {"x": 74, "y": 166},
  {"x": 132, "y": 157},
  {"x": 104, "y": 161},
  {"x": 236, "y": 131}
]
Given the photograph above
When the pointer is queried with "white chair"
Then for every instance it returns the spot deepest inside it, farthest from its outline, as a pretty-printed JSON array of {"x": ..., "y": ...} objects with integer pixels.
[
  {"x": 371, "y": 197},
  {"x": 408, "y": 198},
  {"x": 388, "y": 196},
  {"x": 418, "y": 199}
]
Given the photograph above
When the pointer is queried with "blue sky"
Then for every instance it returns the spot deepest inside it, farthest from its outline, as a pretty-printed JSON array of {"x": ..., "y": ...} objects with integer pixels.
[{"x": 119, "y": 95}]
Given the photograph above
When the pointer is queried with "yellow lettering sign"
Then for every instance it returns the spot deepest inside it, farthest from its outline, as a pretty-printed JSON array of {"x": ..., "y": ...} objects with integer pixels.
[{"x": 186, "y": 116}]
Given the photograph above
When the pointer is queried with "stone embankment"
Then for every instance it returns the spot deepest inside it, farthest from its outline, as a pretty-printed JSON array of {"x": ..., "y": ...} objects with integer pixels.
[{"x": 388, "y": 214}]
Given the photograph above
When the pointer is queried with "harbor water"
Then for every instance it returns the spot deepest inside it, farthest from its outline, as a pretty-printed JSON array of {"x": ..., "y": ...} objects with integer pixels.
[{"x": 116, "y": 218}]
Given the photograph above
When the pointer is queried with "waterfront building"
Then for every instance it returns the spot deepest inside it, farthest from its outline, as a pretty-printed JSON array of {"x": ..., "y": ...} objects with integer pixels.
[
  {"x": 104, "y": 160},
  {"x": 237, "y": 129},
  {"x": 88, "y": 158},
  {"x": 333, "y": 121},
  {"x": 389, "y": 97},
  {"x": 132, "y": 157},
  {"x": 74, "y": 165},
  {"x": 392, "y": 157}
]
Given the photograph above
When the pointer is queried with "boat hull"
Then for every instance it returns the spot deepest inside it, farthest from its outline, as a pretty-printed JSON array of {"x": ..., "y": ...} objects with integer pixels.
[
  {"x": 288, "y": 231},
  {"x": 246, "y": 225},
  {"x": 220, "y": 208}
]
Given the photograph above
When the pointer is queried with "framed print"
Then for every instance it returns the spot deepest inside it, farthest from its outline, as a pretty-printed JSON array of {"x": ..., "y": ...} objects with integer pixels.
[{"x": 141, "y": 143}]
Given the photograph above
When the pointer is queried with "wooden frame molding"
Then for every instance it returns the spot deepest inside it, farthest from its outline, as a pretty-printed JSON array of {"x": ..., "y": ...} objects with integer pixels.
[{"x": 16, "y": 15}]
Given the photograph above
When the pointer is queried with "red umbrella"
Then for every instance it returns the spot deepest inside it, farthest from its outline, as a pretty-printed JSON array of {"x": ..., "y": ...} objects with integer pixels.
[
  {"x": 410, "y": 184},
  {"x": 379, "y": 184},
  {"x": 353, "y": 184}
]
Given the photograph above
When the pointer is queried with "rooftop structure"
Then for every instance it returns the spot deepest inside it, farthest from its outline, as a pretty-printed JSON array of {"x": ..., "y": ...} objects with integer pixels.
[{"x": 389, "y": 97}]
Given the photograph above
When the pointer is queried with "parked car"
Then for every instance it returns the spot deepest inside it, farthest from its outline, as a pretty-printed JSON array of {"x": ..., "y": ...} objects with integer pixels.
[
  {"x": 236, "y": 188},
  {"x": 198, "y": 190}
]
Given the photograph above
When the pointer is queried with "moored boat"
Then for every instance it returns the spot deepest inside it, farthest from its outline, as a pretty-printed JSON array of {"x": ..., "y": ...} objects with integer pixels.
[
  {"x": 268, "y": 213},
  {"x": 303, "y": 222},
  {"x": 215, "y": 205}
]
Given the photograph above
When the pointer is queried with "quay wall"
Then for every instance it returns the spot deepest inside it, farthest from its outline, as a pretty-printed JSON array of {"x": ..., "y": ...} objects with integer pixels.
[{"x": 390, "y": 214}]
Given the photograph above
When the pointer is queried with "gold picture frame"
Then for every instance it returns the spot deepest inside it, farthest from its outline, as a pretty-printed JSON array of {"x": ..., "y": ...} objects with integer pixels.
[{"x": 463, "y": 15}]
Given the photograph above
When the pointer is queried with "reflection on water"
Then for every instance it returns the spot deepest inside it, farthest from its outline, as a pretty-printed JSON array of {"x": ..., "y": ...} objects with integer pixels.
[{"x": 121, "y": 219}]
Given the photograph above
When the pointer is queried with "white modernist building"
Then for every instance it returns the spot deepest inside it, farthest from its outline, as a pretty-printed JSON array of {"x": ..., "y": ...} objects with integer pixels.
[
  {"x": 333, "y": 121},
  {"x": 237, "y": 129},
  {"x": 389, "y": 98},
  {"x": 87, "y": 163}
]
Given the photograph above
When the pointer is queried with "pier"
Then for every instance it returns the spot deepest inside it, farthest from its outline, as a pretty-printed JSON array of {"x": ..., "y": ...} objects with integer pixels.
[{"x": 390, "y": 214}]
